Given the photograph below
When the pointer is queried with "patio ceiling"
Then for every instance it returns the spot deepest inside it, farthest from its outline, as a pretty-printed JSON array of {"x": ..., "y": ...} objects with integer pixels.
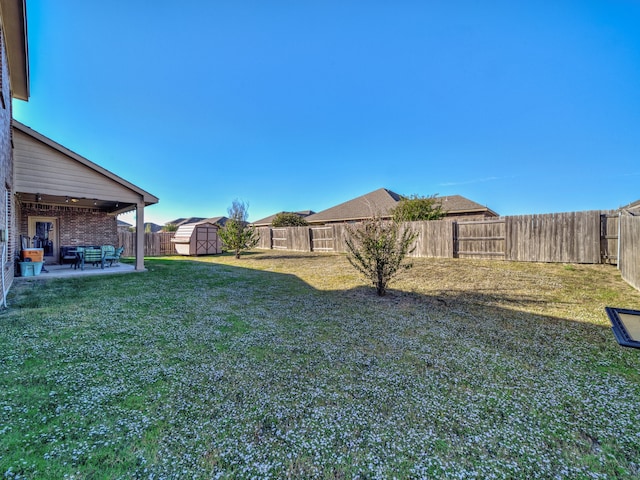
[{"x": 109, "y": 206}]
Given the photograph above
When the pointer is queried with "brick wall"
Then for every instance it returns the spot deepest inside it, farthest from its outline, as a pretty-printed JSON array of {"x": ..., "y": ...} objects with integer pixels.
[
  {"x": 6, "y": 165},
  {"x": 76, "y": 226}
]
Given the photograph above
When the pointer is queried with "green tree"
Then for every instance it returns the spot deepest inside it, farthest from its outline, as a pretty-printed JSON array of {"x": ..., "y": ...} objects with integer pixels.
[
  {"x": 377, "y": 248},
  {"x": 170, "y": 227},
  {"x": 147, "y": 228},
  {"x": 237, "y": 235},
  {"x": 416, "y": 207},
  {"x": 288, "y": 219}
]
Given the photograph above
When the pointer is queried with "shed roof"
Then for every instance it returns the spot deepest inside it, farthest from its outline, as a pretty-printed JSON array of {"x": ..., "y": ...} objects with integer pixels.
[{"x": 184, "y": 232}]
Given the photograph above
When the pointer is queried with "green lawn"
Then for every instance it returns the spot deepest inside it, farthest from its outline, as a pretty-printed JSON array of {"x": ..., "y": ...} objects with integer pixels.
[{"x": 283, "y": 365}]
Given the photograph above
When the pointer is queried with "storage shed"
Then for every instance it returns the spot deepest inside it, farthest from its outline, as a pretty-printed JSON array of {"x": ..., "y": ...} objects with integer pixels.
[{"x": 199, "y": 238}]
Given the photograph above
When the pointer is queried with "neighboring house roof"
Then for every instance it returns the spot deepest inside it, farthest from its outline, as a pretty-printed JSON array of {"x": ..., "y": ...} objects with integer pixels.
[
  {"x": 633, "y": 207},
  {"x": 457, "y": 204},
  {"x": 190, "y": 220},
  {"x": 380, "y": 202},
  {"x": 155, "y": 228},
  {"x": 14, "y": 25},
  {"x": 182, "y": 221},
  {"x": 217, "y": 220},
  {"x": 46, "y": 169},
  {"x": 266, "y": 221}
]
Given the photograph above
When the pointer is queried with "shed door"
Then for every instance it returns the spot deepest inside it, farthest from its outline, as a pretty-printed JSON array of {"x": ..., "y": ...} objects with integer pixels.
[{"x": 206, "y": 240}]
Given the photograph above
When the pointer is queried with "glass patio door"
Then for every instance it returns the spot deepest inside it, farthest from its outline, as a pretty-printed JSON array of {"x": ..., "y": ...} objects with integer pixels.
[{"x": 43, "y": 233}]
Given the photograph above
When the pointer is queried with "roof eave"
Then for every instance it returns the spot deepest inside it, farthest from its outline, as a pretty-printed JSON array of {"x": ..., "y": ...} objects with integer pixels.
[
  {"x": 631, "y": 206},
  {"x": 14, "y": 26},
  {"x": 471, "y": 211},
  {"x": 338, "y": 220}
]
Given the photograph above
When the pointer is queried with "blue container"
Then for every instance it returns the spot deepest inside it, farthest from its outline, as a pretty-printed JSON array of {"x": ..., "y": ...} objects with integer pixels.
[{"x": 30, "y": 269}]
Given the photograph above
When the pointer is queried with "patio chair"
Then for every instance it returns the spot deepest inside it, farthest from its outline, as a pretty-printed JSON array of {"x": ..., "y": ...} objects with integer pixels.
[
  {"x": 69, "y": 255},
  {"x": 92, "y": 256},
  {"x": 111, "y": 254}
]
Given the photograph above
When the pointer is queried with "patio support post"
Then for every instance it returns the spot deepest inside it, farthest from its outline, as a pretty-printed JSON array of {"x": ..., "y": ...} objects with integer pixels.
[{"x": 140, "y": 236}]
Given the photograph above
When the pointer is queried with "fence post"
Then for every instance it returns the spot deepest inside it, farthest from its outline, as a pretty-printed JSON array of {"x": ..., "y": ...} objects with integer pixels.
[
  {"x": 454, "y": 235},
  {"x": 619, "y": 240}
]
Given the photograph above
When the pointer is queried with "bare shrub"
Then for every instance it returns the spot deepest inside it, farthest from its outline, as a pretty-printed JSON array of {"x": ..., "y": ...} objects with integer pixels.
[{"x": 377, "y": 249}]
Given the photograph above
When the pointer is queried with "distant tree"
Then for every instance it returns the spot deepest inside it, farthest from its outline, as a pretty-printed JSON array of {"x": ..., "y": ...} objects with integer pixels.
[
  {"x": 237, "y": 235},
  {"x": 170, "y": 227},
  {"x": 288, "y": 219},
  {"x": 416, "y": 207},
  {"x": 377, "y": 248},
  {"x": 147, "y": 228}
]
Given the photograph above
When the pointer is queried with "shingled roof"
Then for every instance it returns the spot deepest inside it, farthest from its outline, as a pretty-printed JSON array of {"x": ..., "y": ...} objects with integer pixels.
[
  {"x": 184, "y": 221},
  {"x": 221, "y": 221},
  {"x": 633, "y": 208},
  {"x": 380, "y": 202},
  {"x": 457, "y": 205},
  {"x": 266, "y": 221}
]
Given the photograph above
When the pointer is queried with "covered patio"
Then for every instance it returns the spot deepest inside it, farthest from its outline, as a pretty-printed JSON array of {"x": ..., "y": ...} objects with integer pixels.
[
  {"x": 65, "y": 271},
  {"x": 65, "y": 200}
]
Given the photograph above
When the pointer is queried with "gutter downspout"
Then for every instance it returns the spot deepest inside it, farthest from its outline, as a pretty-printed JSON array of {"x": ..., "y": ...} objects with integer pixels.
[{"x": 4, "y": 292}]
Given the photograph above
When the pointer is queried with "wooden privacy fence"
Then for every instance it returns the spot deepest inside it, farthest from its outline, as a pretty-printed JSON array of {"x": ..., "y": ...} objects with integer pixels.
[
  {"x": 480, "y": 238},
  {"x": 559, "y": 237},
  {"x": 435, "y": 238},
  {"x": 630, "y": 249},
  {"x": 573, "y": 237},
  {"x": 155, "y": 244},
  {"x": 322, "y": 239},
  {"x": 609, "y": 237},
  {"x": 264, "y": 235}
]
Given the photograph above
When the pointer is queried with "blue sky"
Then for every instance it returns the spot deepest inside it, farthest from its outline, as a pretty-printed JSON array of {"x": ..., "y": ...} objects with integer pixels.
[{"x": 526, "y": 107}]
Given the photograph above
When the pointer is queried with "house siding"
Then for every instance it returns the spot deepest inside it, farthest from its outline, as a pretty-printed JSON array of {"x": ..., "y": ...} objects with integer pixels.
[
  {"x": 40, "y": 168},
  {"x": 7, "y": 213}
]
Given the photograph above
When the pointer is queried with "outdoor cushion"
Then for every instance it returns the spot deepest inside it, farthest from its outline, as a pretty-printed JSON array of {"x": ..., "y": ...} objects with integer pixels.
[{"x": 92, "y": 256}]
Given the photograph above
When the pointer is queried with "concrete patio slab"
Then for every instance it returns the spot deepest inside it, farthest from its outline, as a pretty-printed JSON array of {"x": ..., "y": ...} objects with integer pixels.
[{"x": 66, "y": 271}]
